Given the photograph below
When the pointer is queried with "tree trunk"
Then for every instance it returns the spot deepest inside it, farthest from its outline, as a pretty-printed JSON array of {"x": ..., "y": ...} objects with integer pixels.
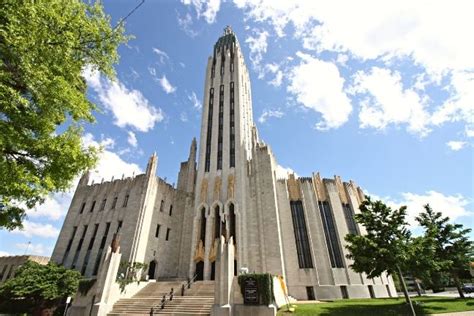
[
  {"x": 417, "y": 287},
  {"x": 405, "y": 291},
  {"x": 458, "y": 286}
]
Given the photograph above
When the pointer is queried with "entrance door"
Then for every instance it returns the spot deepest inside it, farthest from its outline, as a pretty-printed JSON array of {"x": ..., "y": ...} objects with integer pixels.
[
  {"x": 151, "y": 270},
  {"x": 213, "y": 271},
  {"x": 200, "y": 271}
]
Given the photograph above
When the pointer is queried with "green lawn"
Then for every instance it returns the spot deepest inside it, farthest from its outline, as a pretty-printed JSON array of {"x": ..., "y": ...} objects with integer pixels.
[{"x": 384, "y": 306}]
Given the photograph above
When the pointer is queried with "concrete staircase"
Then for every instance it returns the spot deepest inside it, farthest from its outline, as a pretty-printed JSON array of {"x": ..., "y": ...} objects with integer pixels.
[{"x": 197, "y": 301}]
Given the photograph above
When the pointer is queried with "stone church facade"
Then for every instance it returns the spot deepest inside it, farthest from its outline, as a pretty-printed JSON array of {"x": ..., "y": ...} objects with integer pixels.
[{"x": 228, "y": 186}]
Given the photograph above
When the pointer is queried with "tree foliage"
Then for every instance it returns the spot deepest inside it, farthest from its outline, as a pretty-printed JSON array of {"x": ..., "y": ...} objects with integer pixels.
[
  {"x": 40, "y": 286},
  {"x": 44, "y": 48},
  {"x": 443, "y": 249},
  {"x": 385, "y": 245}
]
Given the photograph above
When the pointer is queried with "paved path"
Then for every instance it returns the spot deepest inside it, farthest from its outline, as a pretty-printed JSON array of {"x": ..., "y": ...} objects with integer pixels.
[{"x": 468, "y": 313}]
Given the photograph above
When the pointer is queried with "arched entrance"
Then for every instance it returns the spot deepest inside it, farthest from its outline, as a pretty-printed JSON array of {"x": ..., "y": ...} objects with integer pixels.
[
  {"x": 151, "y": 270},
  {"x": 200, "y": 271},
  {"x": 213, "y": 271}
]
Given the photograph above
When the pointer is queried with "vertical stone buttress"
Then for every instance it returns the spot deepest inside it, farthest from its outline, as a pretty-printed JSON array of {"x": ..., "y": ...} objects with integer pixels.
[{"x": 145, "y": 212}]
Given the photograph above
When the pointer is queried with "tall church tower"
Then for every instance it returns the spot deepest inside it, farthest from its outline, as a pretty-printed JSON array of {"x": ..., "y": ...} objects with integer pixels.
[{"x": 224, "y": 151}]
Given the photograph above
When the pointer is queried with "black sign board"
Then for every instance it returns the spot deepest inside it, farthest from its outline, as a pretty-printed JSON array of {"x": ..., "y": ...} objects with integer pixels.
[{"x": 250, "y": 291}]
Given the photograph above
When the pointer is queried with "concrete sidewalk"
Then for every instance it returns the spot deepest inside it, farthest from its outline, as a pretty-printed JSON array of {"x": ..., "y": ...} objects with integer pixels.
[{"x": 468, "y": 313}]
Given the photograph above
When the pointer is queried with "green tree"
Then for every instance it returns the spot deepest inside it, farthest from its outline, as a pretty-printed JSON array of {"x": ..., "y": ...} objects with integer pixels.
[
  {"x": 445, "y": 248},
  {"x": 36, "y": 287},
  {"x": 385, "y": 245},
  {"x": 44, "y": 48}
]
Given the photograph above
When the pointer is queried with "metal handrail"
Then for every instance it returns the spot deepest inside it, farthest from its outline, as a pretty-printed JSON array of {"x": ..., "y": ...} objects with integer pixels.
[
  {"x": 188, "y": 284},
  {"x": 164, "y": 299}
]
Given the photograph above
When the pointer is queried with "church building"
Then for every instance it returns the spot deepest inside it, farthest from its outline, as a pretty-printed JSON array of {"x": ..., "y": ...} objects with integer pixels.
[{"x": 228, "y": 186}]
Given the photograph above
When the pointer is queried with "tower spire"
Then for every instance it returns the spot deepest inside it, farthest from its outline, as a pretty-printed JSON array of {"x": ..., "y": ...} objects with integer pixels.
[
  {"x": 152, "y": 164},
  {"x": 228, "y": 30}
]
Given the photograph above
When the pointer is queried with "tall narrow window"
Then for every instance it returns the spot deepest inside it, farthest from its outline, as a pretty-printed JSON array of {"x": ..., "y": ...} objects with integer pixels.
[
  {"x": 335, "y": 255},
  {"x": 101, "y": 249},
  {"x": 114, "y": 203},
  {"x": 232, "y": 222},
  {"x": 78, "y": 249},
  {"x": 119, "y": 226},
  {"x": 232, "y": 127},
  {"x": 221, "y": 128},
  {"x": 92, "y": 207},
  {"x": 162, "y": 205},
  {"x": 171, "y": 209},
  {"x": 349, "y": 215},
  {"x": 203, "y": 226},
  {"x": 207, "y": 164},
  {"x": 88, "y": 253},
  {"x": 69, "y": 244},
  {"x": 167, "y": 234},
  {"x": 217, "y": 223},
  {"x": 157, "y": 232},
  {"x": 301, "y": 235},
  {"x": 82, "y": 208},
  {"x": 125, "y": 201},
  {"x": 5, "y": 267},
  {"x": 102, "y": 206}
]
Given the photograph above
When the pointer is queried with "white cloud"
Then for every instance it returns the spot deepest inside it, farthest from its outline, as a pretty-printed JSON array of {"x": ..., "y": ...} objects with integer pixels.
[
  {"x": 342, "y": 59},
  {"x": 152, "y": 71},
  {"x": 318, "y": 85},
  {"x": 110, "y": 163},
  {"x": 34, "y": 249},
  {"x": 129, "y": 107},
  {"x": 435, "y": 34},
  {"x": 276, "y": 82},
  {"x": 183, "y": 117},
  {"x": 270, "y": 113},
  {"x": 4, "y": 254},
  {"x": 161, "y": 54},
  {"x": 205, "y": 8},
  {"x": 456, "y": 145},
  {"x": 453, "y": 206},
  {"x": 132, "y": 139},
  {"x": 387, "y": 102},
  {"x": 186, "y": 23},
  {"x": 275, "y": 69},
  {"x": 166, "y": 85},
  {"x": 283, "y": 172},
  {"x": 435, "y": 37},
  {"x": 469, "y": 131},
  {"x": 258, "y": 46},
  {"x": 195, "y": 101},
  {"x": 460, "y": 104},
  {"x": 31, "y": 229},
  {"x": 54, "y": 207}
]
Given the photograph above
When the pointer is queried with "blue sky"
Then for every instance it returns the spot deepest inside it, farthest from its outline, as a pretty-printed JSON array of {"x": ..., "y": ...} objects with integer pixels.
[{"x": 382, "y": 94}]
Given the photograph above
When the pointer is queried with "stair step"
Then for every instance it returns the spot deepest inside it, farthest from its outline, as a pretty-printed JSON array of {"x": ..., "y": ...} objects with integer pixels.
[{"x": 198, "y": 300}]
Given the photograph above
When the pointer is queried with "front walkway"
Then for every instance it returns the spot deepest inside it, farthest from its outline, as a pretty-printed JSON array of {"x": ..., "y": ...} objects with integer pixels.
[{"x": 468, "y": 313}]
